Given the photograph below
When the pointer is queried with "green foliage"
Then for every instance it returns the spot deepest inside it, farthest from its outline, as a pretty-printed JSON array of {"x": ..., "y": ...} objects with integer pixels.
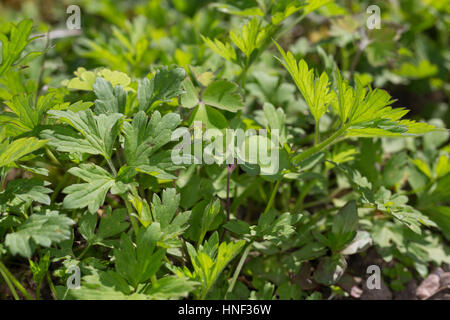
[
  {"x": 88, "y": 178},
  {"x": 39, "y": 229},
  {"x": 13, "y": 43}
]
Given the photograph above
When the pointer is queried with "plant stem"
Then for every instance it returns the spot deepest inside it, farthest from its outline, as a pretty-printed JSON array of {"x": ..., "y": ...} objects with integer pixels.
[
  {"x": 84, "y": 251},
  {"x": 11, "y": 277},
  {"x": 52, "y": 157},
  {"x": 230, "y": 169},
  {"x": 60, "y": 185},
  {"x": 316, "y": 133},
  {"x": 130, "y": 211},
  {"x": 272, "y": 197},
  {"x": 239, "y": 267},
  {"x": 38, "y": 290},
  {"x": 249, "y": 246},
  {"x": 111, "y": 166},
  {"x": 321, "y": 146},
  {"x": 51, "y": 285},
  {"x": 3, "y": 174},
  {"x": 303, "y": 194},
  {"x": 10, "y": 285}
]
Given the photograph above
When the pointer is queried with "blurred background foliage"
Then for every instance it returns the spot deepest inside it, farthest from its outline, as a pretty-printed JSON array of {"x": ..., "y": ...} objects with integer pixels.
[{"x": 409, "y": 55}]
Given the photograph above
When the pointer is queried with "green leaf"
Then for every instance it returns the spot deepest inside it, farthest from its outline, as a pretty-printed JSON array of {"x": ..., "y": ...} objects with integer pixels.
[
  {"x": 396, "y": 205},
  {"x": 330, "y": 270},
  {"x": 139, "y": 263},
  {"x": 97, "y": 134},
  {"x": 21, "y": 192},
  {"x": 25, "y": 115},
  {"x": 368, "y": 113},
  {"x": 164, "y": 211},
  {"x": 109, "y": 99},
  {"x": 222, "y": 94},
  {"x": 276, "y": 121},
  {"x": 344, "y": 226},
  {"x": 424, "y": 69},
  {"x": 394, "y": 169},
  {"x": 38, "y": 229},
  {"x": 111, "y": 224},
  {"x": 442, "y": 167},
  {"x": 164, "y": 86},
  {"x": 210, "y": 260},
  {"x": 110, "y": 286},
  {"x": 40, "y": 269},
  {"x": 423, "y": 167},
  {"x": 238, "y": 226},
  {"x": 169, "y": 288},
  {"x": 283, "y": 9},
  {"x": 91, "y": 194},
  {"x": 205, "y": 216},
  {"x": 315, "y": 91},
  {"x": 143, "y": 137},
  {"x": 276, "y": 229},
  {"x": 314, "y": 5},
  {"x": 310, "y": 251},
  {"x": 85, "y": 79},
  {"x": 441, "y": 215},
  {"x": 382, "y": 47},
  {"x": 102, "y": 286},
  {"x": 13, "y": 46},
  {"x": 250, "y": 37},
  {"x": 209, "y": 117},
  {"x": 225, "y": 50},
  {"x": 14, "y": 151},
  {"x": 189, "y": 99}
]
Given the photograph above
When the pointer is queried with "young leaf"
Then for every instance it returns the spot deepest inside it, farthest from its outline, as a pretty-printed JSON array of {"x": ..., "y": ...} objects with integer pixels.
[
  {"x": 189, "y": 99},
  {"x": 91, "y": 194},
  {"x": 225, "y": 50},
  {"x": 368, "y": 113},
  {"x": 206, "y": 216},
  {"x": 14, "y": 151},
  {"x": 222, "y": 94},
  {"x": 143, "y": 137},
  {"x": 111, "y": 224},
  {"x": 12, "y": 47},
  {"x": 38, "y": 229},
  {"x": 25, "y": 115},
  {"x": 139, "y": 263},
  {"x": 282, "y": 9},
  {"x": 85, "y": 79},
  {"x": 21, "y": 192},
  {"x": 97, "y": 134},
  {"x": 210, "y": 259},
  {"x": 249, "y": 38},
  {"x": 164, "y": 86},
  {"x": 164, "y": 211},
  {"x": 315, "y": 91},
  {"x": 209, "y": 117},
  {"x": 109, "y": 99}
]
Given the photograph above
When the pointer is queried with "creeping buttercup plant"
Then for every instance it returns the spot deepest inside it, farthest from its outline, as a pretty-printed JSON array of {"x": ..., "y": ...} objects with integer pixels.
[{"x": 93, "y": 204}]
